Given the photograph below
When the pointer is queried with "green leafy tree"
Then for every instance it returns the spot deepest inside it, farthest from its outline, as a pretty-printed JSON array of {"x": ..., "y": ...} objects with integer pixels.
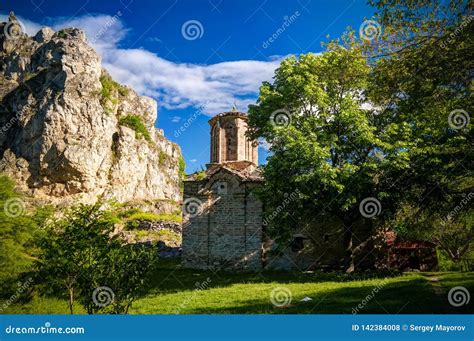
[
  {"x": 72, "y": 250},
  {"x": 328, "y": 144},
  {"x": 81, "y": 256},
  {"x": 422, "y": 78},
  {"x": 127, "y": 269},
  {"x": 410, "y": 147}
]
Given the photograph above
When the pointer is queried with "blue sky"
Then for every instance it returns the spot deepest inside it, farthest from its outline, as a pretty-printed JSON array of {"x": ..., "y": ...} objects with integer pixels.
[{"x": 192, "y": 53}]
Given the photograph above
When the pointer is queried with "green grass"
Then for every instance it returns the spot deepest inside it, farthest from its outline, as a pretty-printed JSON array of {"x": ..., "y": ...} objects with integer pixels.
[
  {"x": 174, "y": 290},
  {"x": 144, "y": 216},
  {"x": 174, "y": 217},
  {"x": 171, "y": 238},
  {"x": 136, "y": 123},
  {"x": 200, "y": 175}
]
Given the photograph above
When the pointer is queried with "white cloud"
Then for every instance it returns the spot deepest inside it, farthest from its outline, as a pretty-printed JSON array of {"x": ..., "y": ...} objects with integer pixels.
[
  {"x": 264, "y": 144},
  {"x": 175, "y": 119},
  {"x": 174, "y": 85},
  {"x": 102, "y": 31},
  {"x": 178, "y": 86}
]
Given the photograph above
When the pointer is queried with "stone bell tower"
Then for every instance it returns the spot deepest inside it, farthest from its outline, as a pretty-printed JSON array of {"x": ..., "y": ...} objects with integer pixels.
[
  {"x": 228, "y": 140},
  {"x": 222, "y": 216}
]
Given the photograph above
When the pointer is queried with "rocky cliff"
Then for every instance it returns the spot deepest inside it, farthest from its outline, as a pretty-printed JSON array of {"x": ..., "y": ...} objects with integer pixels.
[{"x": 69, "y": 133}]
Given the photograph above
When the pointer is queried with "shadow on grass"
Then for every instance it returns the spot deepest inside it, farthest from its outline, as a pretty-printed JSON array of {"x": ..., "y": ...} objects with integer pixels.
[
  {"x": 338, "y": 293},
  {"x": 405, "y": 297},
  {"x": 414, "y": 295},
  {"x": 171, "y": 277}
]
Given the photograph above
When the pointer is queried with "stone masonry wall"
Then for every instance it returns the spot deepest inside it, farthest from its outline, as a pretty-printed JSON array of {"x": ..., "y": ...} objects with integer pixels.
[{"x": 227, "y": 233}]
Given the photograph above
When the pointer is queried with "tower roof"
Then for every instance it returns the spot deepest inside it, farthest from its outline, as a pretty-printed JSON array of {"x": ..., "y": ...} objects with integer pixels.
[{"x": 229, "y": 114}]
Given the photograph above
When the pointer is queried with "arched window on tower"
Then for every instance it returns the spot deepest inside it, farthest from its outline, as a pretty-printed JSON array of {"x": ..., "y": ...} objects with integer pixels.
[
  {"x": 230, "y": 142},
  {"x": 215, "y": 157}
]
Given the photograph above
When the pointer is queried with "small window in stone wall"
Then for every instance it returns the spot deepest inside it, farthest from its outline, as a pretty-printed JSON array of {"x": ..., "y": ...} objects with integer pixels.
[{"x": 221, "y": 188}]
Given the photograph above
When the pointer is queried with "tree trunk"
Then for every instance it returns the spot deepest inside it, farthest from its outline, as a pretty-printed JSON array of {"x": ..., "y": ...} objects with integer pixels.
[
  {"x": 348, "y": 247},
  {"x": 71, "y": 300}
]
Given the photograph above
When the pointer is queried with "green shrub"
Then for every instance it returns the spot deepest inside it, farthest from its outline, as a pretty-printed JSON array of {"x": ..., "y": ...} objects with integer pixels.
[
  {"x": 122, "y": 90},
  {"x": 200, "y": 175},
  {"x": 445, "y": 263},
  {"x": 136, "y": 123},
  {"x": 162, "y": 158},
  {"x": 182, "y": 166},
  {"x": 110, "y": 91},
  {"x": 19, "y": 227},
  {"x": 182, "y": 169}
]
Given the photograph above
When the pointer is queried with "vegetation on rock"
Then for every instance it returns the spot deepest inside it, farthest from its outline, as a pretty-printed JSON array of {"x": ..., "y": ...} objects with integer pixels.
[
  {"x": 110, "y": 91},
  {"x": 135, "y": 122}
]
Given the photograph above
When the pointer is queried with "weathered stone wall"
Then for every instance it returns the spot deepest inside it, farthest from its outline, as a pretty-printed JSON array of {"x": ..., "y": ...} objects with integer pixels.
[
  {"x": 227, "y": 233},
  {"x": 322, "y": 247}
]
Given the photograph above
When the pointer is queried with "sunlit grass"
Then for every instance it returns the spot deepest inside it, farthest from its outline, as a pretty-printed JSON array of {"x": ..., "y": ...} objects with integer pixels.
[{"x": 173, "y": 290}]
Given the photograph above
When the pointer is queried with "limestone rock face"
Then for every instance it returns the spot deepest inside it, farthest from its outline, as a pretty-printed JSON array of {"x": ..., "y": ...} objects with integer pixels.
[{"x": 64, "y": 136}]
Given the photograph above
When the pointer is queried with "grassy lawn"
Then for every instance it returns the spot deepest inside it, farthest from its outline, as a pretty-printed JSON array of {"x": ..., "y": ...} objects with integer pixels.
[{"x": 174, "y": 290}]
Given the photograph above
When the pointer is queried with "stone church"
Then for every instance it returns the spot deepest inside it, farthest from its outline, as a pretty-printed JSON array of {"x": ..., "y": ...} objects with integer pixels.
[{"x": 222, "y": 225}]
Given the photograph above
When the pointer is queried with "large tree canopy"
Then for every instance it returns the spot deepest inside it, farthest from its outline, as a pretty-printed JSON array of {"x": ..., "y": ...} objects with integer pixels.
[
  {"x": 382, "y": 121},
  {"x": 328, "y": 142},
  {"x": 423, "y": 67}
]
